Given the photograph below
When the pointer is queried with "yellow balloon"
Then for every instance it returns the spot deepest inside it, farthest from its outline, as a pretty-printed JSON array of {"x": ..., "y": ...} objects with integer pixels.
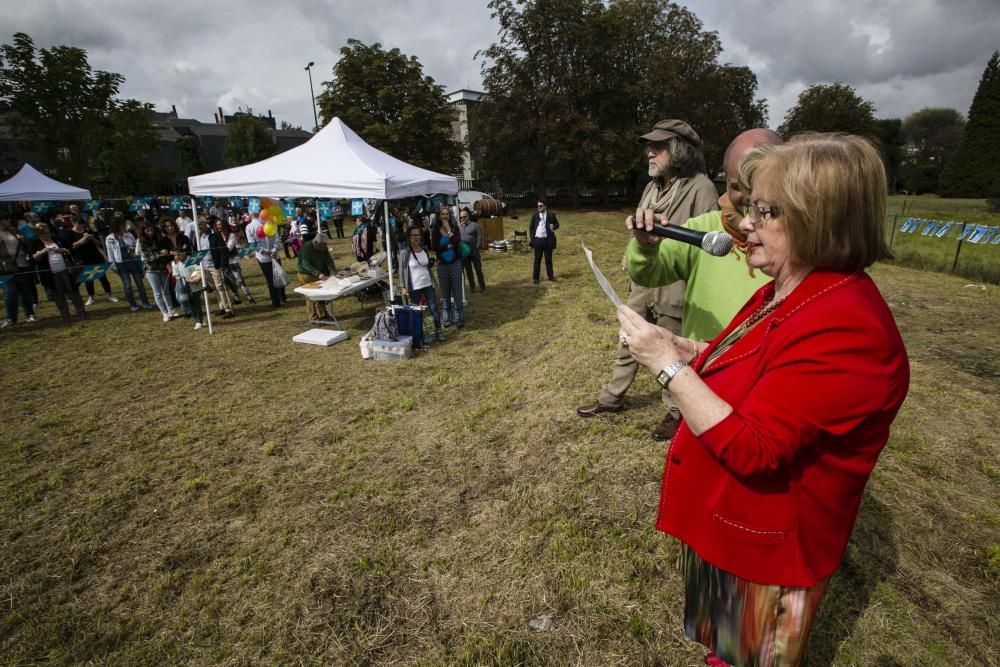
[{"x": 270, "y": 229}]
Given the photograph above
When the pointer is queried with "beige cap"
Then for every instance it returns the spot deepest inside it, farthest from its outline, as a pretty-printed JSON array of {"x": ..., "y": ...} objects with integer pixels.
[{"x": 665, "y": 129}]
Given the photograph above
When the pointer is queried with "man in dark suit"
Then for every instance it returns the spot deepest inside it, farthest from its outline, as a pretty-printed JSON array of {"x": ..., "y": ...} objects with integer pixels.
[{"x": 542, "y": 237}]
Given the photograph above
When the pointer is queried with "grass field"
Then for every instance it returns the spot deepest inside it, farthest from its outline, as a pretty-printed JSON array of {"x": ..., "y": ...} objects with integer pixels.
[
  {"x": 976, "y": 262},
  {"x": 173, "y": 498}
]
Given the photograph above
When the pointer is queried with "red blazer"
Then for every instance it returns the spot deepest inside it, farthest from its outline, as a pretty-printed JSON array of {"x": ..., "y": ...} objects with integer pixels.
[{"x": 770, "y": 493}]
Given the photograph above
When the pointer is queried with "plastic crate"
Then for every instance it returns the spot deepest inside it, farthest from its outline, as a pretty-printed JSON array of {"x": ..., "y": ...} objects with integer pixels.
[{"x": 392, "y": 350}]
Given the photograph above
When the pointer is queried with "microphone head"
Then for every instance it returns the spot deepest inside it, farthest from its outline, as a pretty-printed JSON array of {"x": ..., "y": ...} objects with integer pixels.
[{"x": 717, "y": 243}]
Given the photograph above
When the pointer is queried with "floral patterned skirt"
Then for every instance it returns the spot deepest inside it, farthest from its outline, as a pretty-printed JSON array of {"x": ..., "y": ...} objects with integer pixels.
[{"x": 745, "y": 623}]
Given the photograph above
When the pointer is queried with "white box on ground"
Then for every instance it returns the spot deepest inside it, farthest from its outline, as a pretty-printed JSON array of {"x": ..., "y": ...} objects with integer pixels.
[
  {"x": 323, "y": 337},
  {"x": 393, "y": 350}
]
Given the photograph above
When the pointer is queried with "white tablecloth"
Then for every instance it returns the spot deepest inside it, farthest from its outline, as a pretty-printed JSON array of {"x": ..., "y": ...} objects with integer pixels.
[{"x": 331, "y": 293}]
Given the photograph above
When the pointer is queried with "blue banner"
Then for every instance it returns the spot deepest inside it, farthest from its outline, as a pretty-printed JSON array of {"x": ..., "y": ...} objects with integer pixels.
[
  {"x": 236, "y": 202},
  {"x": 206, "y": 202},
  {"x": 176, "y": 203},
  {"x": 249, "y": 248},
  {"x": 92, "y": 205},
  {"x": 324, "y": 208},
  {"x": 288, "y": 207},
  {"x": 195, "y": 257},
  {"x": 40, "y": 207},
  {"x": 92, "y": 272},
  {"x": 253, "y": 204},
  {"x": 357, "y": 207}
]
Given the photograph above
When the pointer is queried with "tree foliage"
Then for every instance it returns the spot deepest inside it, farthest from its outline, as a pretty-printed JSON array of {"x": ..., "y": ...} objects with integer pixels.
[
  {"x": 974, "y": 168},
  {"x": 834, "y": 107},
  {"x": 571, "y": 84},
  {"x": 932, "y": 135},
  {"x": 130, "y": 138},
  {"x": 889, "y": 132},
  {"x": 247, "y": 140},
  {"x": 62, "y": 108},
  {"x": 385, "y": 97}
]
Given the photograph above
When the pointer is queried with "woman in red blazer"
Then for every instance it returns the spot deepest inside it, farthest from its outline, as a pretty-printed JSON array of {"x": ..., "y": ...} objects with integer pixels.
[{"x": 786, "y": 411}]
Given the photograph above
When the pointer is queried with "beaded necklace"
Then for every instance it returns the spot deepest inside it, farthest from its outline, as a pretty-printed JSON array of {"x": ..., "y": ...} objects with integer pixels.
[{"x": 750, "y": 322}]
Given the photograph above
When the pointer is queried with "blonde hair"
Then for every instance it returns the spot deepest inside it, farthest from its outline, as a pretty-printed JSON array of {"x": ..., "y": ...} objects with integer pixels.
[{"x": 831, "y": 191}]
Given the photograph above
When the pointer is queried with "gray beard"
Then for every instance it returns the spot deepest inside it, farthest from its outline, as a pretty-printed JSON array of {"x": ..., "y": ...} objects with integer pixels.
[{"x": 654, "y": 170}]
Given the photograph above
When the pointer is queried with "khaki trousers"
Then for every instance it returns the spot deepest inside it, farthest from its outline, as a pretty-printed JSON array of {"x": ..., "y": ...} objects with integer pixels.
[
  {"x": 219, "y": 283},
  {"x": 650, "y": 303},
  {"x": 315, "y": 310}
]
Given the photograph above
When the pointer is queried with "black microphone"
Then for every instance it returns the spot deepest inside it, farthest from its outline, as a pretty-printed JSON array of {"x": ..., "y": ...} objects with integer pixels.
[{"x": 714, "y": 243}]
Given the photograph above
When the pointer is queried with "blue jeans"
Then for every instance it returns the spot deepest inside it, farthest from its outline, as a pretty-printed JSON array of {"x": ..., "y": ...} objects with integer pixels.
[
  {"x": 428, "y": 293},
  {"x": 128, "y": 272},
  {"x": 160, "y": 283},
  {"x": 18, "y": 289}
]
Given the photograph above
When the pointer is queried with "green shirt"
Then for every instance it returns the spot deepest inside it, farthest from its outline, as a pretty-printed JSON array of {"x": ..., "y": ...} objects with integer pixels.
[
  {"x": 717, "y": 287},
  {"x": 313, "y": 261}
]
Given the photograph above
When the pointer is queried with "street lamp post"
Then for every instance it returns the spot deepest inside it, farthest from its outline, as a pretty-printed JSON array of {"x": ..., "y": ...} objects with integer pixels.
[{"x": 312, "y": 95}]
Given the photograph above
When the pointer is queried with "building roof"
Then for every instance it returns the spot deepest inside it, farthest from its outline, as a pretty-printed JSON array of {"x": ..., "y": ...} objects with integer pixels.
[{"x": 466, "y": 95}]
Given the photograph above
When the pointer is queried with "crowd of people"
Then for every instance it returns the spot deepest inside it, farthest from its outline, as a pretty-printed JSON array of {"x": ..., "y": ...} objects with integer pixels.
[{"x": 148, "y": 251}]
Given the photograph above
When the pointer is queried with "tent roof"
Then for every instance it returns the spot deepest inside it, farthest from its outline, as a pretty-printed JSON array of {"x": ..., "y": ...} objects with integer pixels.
[
  {"x": 31, "y": 184},
  {"x": 336, "y": 162}
]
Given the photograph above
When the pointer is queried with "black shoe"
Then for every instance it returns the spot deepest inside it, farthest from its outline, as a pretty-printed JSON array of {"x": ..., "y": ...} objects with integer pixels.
[
  {"x": 596, "y": 409},
  {"x": 535, "y": 280},
  {"x": 552, "y": 279},
  {"x": 228, "y": 314},
  {"x": 665, "y": 429},
  {"x": 461, "y": 324},
  {"x": 237, "y": 302}
]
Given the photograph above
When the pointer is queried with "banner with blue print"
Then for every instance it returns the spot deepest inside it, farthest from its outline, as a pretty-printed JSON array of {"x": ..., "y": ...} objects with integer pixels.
[
  {"x": 195, "y": 258},
  {"x": 324, "y": 208},
  {"x": 253, "y": 204},
  {"x": 176, "y": 203},
  {"x": 236, "y": 202},
  {"x": 92, "y": 205},
  {"x": 357, "y": 207},
  {"x": 92, "y": 272},
  {"x": 249, "y": 248},
  {"x": 40, "y": 207},
  {"x": 288, "y": 208}
]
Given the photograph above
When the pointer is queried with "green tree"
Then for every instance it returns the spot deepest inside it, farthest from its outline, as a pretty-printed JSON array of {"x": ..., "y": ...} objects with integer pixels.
[
  {"x": 571, "y": 83},
  {"x": 385, "y": 97},
  {"x": 248, "y": 140},
  {"x": 974, "y": 168},
  {"x": 61, "y": 106},
  {"x": 834, "y": 107},
  {"x": 131, "y": 138},
  {"x": 932, "y": 135},
  {"x": 889, "y": 132}
]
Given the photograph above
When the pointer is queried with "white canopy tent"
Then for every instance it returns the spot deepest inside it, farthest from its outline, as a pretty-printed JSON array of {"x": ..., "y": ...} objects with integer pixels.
[
  {"x": 335, "y": 163},
  {"x": 29, "y": 184}
]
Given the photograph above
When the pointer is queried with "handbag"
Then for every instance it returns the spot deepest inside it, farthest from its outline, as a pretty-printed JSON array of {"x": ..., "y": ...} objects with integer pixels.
[
  {"x": 464, "y": 250},
  {"x": 278, "y": 276},
  {"x": 386, "y": 327}
]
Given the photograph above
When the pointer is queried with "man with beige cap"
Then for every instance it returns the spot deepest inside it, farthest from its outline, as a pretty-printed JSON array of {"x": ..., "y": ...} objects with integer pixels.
[{"x": 679, "y": 190}]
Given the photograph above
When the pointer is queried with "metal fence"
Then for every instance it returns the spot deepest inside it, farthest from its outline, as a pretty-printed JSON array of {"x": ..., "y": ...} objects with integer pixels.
[{"x": 968, "y": 249}]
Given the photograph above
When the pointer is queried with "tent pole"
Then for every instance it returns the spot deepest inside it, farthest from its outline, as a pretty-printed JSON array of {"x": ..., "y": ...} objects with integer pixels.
[
  {"x": 388, "y": 249},
  {"x": 204, "y": 280}
]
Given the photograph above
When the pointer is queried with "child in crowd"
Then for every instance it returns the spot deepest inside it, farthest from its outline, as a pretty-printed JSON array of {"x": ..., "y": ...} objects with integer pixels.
[{"x": 189, "y": 287}]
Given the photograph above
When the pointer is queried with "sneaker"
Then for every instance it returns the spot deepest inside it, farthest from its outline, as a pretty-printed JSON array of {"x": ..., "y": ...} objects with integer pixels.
[
  {"x": 146, "y": 306},
  {"x": 197, "y": 325},
  {"x": 588, "y": 411},
  {"x": 166, "y": 318},
  {"x": 226, "y": 314},
  {"x": 113, "y": 299},
  {"x": 173, "y": 314},
  {"x": 89, "y": 302},
  {"x": 7, "y": 323},
  {"x": 133, "y": 308},
  {"x": 32, "y": 318}
]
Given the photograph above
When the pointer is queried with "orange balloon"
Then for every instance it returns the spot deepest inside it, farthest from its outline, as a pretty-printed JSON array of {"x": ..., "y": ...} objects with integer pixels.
[{"x": 265, "y": 215}]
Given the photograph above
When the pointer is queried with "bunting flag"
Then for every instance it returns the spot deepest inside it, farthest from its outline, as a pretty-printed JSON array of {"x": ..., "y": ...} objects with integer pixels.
[
  {"x": 945, "y": 228},
  {"x": 929, "y": 228},
  {"x": 176, "y": 203},
  {"x": 195, "y": 257},
  {"x": 253, "y": 204},
  {"x": 92, "y": 272},
  {"x": 206, "y": 202},
  {"x": 288, "y": 207},
  {"x": 236, "y": 202},
  {"x": 357, "y": 207},
  {"x": 248, "y": 249},
  {"x": 965, "y": 231},
  {"x": 92, "y": 205},
  {"x": 40, "y": 207},
  {"x": 324, "y": 207},
  {"x": 139, "y": 203}
]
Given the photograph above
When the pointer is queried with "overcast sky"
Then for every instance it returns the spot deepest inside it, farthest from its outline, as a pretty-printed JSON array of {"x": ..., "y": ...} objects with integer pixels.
[{"x": 902, "y": 55}]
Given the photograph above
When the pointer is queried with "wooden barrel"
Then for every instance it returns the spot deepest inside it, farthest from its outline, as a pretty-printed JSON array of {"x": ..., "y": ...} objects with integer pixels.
[
  {"x": 492, "y": 229},
  {"x": 487, "y": 208}
]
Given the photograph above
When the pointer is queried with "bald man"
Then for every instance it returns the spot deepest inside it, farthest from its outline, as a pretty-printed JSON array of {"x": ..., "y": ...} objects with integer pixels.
[{"x": 715, "y": 287}]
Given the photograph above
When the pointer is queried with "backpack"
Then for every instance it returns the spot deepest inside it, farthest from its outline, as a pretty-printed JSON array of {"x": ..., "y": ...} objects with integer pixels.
[{"x": 386, "y": 327}]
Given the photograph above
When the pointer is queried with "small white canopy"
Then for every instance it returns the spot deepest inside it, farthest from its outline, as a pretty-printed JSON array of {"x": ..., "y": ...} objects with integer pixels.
[
  {"x": 336, "y": 163},
  {"x": 31, "y": 184}
]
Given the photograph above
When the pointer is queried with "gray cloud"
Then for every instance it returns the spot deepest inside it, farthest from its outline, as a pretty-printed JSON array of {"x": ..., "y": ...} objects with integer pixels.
[{"x": 197, "y": 55}]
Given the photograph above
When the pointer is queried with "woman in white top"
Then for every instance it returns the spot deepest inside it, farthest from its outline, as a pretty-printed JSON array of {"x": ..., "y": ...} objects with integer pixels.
[
  {"x": 416, "y": 278},
  {"x": 53, "y": 262}
]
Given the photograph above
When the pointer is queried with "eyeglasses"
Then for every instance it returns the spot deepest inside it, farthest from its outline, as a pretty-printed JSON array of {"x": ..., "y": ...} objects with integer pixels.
[
  {"x": 463, "y": 217},
  {"x": 758, "y": 214}
]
